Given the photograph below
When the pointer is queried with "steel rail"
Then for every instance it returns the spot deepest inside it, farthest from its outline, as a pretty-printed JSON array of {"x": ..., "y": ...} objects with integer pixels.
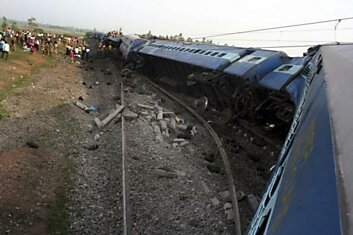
[
  {"x": 127, "y": 225},
  {"x": 220, "y": 149}
]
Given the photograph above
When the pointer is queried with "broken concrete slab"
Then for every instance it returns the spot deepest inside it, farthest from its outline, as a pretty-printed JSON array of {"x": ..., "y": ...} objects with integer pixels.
[
  {"x": 81, "y": 105},
  {"x": 168, "y": 114},
  {"x": 178, "y": 140},
  {"x": 215, "y": 201},
  {"x": 229, "y": 214},
  {"x": 96, "y": 137},
  {"x": 226, "y": 197},
  {"x": 168, "y": 173},
  {"x": 98, "y": 122},
  {"x": 165, "y": 133},
  {"x": 227, "y": 206},
  {"x": 175, "y": 145},
  {"x": 253, "y": 201},
  {"x": 163, "y": 125},
  {"x": 145, "y": 106},
  {"x": 206, "y": 188},
  {"x": 184, "y": 143},
  {"x": 160, "y": 114},
  {"x": 110, "y": 117},
  {"x": 129, "y": 114},
  {"x": 172, "y": 124},
  {"x": 158, "y": 133}
]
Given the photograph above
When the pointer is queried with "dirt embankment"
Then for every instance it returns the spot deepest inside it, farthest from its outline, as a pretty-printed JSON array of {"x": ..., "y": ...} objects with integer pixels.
[{"x": 38, "y": 140}]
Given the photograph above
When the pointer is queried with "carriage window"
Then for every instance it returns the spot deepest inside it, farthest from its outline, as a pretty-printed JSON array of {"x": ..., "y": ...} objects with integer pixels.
[
  {"x": 222, "y": 54},
  {"x": 285, "y": 68},
  {"x": 208, "y": 52},
  {"x": 254, "y": 59},
  {"x": 214, "y": 54}
]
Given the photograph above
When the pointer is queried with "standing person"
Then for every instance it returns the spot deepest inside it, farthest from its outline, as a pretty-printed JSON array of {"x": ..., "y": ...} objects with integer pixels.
[
  {"x": 56, "y": 46},
  {"x": 87, "y": 52},
  {"x": 83, "y": 52},
  {"x": 5, "y": 51},
  {"x": 2, "y": 42},
  {"x": 72, "y": 55},
  {"x": 13, "y": 44}
]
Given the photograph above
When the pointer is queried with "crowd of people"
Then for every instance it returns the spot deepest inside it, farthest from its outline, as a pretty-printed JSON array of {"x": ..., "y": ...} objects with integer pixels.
[
  {"x": 45, "y": 43},
  {"x": 78, "y": 51}
]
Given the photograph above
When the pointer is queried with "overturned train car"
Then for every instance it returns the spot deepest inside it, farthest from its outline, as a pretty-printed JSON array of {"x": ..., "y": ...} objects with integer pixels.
[
  {"x": 258, "y": 85},
  {"x": 310, "y": 191}
]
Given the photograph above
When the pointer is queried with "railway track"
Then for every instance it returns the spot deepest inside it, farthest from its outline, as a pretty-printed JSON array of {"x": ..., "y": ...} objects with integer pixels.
[
  {"x": 150, "y": 203},
  {"x": 127, "y": 221}
]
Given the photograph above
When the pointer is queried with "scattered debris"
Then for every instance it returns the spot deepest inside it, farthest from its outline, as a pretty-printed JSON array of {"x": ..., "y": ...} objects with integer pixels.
[
  {"x": 175, "y": 145},
  {"x": 110, "y": 117},
  {"x": 172, "y": 124},
  {"x": 227, "y": 206},
  {"x": 32, "y": 144},
  {"x": 229, "y": 214},
  {"x": 206, "y": 188},
  {"x": 184, "y": 143},
  {"x": 215, "y": 201},
  {"x": 81, "y": 105},
  {"x": 145, "y": 106},
  {"x": 160, "y": 114},
  {"x": 91, "y": 147},
  {"x": 129, "y": 114},
  {"x": 214, "y": 169},
  {"x": 163, "y": 125},
  {"x": 126, "y": 73},
  {"x": 208, "y": 157},
  {"x": 178, "y": 140},
  {"x": 96, "y": 137},
  {"x": 253, "y": 201},
  {"x": 178, "y": 119},
  {"x": 168, "y": 114},
  {"x": 168, "y": 173},
  {"x": 226, "y": 197},
  {"x": 158, "y": 133}
]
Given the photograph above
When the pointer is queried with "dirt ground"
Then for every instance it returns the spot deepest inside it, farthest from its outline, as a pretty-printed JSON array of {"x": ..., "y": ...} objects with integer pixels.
[{"x": 37, "y": 143}]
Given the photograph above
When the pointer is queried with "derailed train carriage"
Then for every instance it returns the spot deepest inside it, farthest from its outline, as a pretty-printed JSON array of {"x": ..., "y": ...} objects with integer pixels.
[{"x": 310, "y": 191}]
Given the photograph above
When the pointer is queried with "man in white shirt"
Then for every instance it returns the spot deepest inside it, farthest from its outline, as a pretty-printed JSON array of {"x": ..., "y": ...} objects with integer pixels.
[{"x": 5, "y": 50}]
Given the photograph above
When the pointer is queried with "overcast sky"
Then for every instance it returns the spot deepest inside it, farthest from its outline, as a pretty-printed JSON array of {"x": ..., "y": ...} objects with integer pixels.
[{"x": 196, "y": 17}]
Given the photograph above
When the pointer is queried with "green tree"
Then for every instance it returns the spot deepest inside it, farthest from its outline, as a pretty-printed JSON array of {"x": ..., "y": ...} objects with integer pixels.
[
  {"x": 4, "y": 23},
  {"x": 14, "y": 26},
  {"x": 32, "y": 22}
]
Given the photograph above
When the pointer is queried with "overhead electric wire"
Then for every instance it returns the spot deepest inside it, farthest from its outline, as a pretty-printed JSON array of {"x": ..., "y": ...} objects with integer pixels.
[
  {"x": 277, "y": 27},
  {"x": 273, "y": 40},
  {"x": 285, "y": 31},
  {"x": 309, "y": 45}
]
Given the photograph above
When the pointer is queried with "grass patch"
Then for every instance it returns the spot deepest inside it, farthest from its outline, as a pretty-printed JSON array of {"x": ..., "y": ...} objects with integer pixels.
[
  {"x": 18, "y": 69},
  {"x": 3, "y": 113},
  {"x": 58, "y": 214}
]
